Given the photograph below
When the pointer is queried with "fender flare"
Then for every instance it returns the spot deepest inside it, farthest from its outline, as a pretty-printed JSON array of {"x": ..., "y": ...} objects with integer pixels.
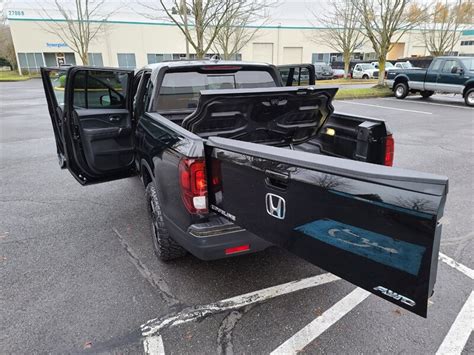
[{"x": 469, "y": 84}]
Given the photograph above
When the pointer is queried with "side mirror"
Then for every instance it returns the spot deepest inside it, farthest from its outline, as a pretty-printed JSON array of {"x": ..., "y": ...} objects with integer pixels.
[
  {"x": 105, "y": 100},
  {"x": 460, "y": 71}
]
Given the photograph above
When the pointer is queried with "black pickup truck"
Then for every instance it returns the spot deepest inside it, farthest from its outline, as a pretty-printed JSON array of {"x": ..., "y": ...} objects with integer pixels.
[{"x": 233, "y": 161}]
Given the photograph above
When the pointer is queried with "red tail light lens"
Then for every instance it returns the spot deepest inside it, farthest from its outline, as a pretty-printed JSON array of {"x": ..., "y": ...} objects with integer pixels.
[
  {"x": 193, "y": 181},
  {"x": 238, "y": 249},
  {"x": 389, "y": 150}
]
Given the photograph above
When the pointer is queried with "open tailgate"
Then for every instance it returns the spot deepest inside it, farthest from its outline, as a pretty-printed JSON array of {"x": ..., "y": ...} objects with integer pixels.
[
  {"x": 375, "y": 226},
  {"x": 277, "y": 116}
]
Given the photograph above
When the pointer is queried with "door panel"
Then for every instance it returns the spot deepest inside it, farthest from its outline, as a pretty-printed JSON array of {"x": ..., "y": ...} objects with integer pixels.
[
  {"x": 447, "y": 80},
  {"x": 95, "y": 123},
  {"x": 375, "y": 226}
]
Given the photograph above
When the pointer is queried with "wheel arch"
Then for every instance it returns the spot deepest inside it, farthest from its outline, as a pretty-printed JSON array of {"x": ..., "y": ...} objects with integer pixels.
[
  {"x": 400, "y": 79},
  {"x": 469, "y": 85}
]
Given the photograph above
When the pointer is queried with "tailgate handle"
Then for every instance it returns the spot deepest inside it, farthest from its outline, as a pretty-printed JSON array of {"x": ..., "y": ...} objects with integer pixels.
[{"x": 276, "y": 180}]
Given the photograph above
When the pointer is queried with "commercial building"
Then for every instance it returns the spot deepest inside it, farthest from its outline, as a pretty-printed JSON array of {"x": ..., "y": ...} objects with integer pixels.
[{"x": 131, "y": 44}]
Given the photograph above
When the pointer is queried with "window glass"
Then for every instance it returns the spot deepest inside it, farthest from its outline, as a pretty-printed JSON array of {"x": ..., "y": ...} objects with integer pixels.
[
  {"x": 126, "y": 60},
  {"x": 30, "y": 62},
  {"x": 468, "y": 63},
  {"x": 449, "y": 65},
  {"x": 95, "y": 59},
  {"x": 436, "y": 65},
  {"x": 181, "y": 90},
  {"x": 100, "y": 89},
  {"x": 58, "y": 81}
]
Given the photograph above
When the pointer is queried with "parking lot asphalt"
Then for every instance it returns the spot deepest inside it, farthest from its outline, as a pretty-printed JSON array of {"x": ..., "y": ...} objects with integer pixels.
[{"x": 78, "y": 274}]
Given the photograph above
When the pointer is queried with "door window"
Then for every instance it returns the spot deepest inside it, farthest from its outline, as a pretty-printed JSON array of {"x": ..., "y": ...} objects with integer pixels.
[
  {"x": 100, "y": 89},
  {"x": 448, "y": 66},
  {"x": 58, "y": 81},
  {"x": 436, "y": 65}
]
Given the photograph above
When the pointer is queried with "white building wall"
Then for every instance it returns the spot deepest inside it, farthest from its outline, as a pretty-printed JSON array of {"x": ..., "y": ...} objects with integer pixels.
[{"x": 286, "y": 44}]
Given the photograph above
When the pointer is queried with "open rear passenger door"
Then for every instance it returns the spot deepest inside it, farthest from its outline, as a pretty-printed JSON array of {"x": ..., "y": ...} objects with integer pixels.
[
  {"x": 92, "y": 121},
  {"x": 375, "y": 226},
  {"x": 297, "y": 74}
]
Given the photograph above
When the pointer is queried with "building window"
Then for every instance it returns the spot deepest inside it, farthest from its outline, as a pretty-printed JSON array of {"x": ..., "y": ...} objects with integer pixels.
[
  {"x": 162, "y": 57},
  {"x": 157, "y": 57},
  {"x": 95, "y": 59},
  {"x": 126, "y": 60},
  {"x": 30, "y": 62}
]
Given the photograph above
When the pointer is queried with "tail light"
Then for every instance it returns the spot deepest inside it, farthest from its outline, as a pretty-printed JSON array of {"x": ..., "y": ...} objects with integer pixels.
[
  {"x": 193, "y": 182},
  {"x": 389, "y": 150}
]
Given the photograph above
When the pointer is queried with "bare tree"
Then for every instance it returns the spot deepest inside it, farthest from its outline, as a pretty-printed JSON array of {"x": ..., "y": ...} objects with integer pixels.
[
  {"x": 240, "y": 26},
  {"x": 7, "y": 50},
  {"x": 385, "y": 22},
  {"x": 200, "y": 21},
  {"x": 341, "y": 19},
  {"x": 443, "y": 29},
  {"x": 82, "y": 24}
]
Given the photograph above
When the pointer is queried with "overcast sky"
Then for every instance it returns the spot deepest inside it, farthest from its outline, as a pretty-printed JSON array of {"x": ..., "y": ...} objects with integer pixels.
[{"x": 285, "y": 13}]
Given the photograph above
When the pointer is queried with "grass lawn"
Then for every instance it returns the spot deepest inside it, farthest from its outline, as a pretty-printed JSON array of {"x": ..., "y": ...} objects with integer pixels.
[
  {"x": 14, "y": 76},
  {"x": 347, "y": 81},
  {"x": 362, "y": 93}
]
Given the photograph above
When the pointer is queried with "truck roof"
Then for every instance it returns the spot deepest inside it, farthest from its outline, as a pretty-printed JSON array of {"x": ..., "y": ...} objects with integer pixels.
[{"x": 191, "y": 63}]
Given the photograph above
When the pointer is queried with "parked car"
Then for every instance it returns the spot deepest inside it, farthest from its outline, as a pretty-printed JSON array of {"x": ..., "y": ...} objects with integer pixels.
[
  {"x": 323, "y": 71},
  {"x": 388, "y": 65},
  {"x": 445, "y": 75},
  {"x": 404, "y": 65},
  {"x": 364, "y": 71},
  {"x": 338, "y": 73},
  {"x": 232, "y": 162}
]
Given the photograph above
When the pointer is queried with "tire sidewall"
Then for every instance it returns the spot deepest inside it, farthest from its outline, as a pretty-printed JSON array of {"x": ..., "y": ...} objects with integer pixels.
[
  {"x": 466, "y": 97},
  {"x": 403, "y": 94}
]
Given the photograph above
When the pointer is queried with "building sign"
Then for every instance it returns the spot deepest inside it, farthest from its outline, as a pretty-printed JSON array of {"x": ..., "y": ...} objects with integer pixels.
[{"x": 56, "y": 45}]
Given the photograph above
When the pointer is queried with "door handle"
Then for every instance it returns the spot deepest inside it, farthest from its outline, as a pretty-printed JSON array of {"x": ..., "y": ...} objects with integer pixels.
[
  {"x": 114, "y": 118},
  {"x": 276, "y": 180}
]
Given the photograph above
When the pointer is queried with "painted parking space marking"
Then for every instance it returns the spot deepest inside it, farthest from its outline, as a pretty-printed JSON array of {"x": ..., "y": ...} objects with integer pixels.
[
  {"x": 427, "y": 103},
  {"x": 458, "y": 266},
  {"x": 193, "y": 313},
  {"x": 310, "y": 332},
  {"x": 153, "y": 345},
  {"x": 153, "y": 341},
  {"x": 384, "y": 107},
  {"x": 460, "y": 331}
]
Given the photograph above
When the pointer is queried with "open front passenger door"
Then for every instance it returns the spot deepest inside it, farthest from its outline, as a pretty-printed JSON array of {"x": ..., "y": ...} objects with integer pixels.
[
  {"x": 297, "y": 74},
  {"x": 375, "y": 226},
  {"x": 92, "y": 121}
]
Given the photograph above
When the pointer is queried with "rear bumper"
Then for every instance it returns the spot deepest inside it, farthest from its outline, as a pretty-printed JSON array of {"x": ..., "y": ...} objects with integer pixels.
[
  {"x": 208, "y": 241},
  {"x": 389, "y": 83}
]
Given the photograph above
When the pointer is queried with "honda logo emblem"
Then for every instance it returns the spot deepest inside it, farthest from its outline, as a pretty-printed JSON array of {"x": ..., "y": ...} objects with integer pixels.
[{"x": 276, "y": 205}]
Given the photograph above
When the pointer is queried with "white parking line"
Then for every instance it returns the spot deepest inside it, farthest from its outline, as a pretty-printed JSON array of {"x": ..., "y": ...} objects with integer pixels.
[
  {"x": 454, "y": 264},
  {"x": 460, "y": 331},
  {"x": 153, "y": 345},
  {"x": 198, "y": 312},
  {"x": 384, "y": 107},
  {"x": 428, "y": 103},
  {"x": 310, "y": 332}
]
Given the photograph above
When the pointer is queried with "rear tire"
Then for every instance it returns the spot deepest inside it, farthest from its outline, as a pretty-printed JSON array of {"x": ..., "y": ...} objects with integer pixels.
[
  {"x": 469, "y": 97},
  {"x": 426, "y": 94},
  {"x": 401, "y": 90},
  {"x": 365, "y": 77},
  {"x": 164, "y": 246}
]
